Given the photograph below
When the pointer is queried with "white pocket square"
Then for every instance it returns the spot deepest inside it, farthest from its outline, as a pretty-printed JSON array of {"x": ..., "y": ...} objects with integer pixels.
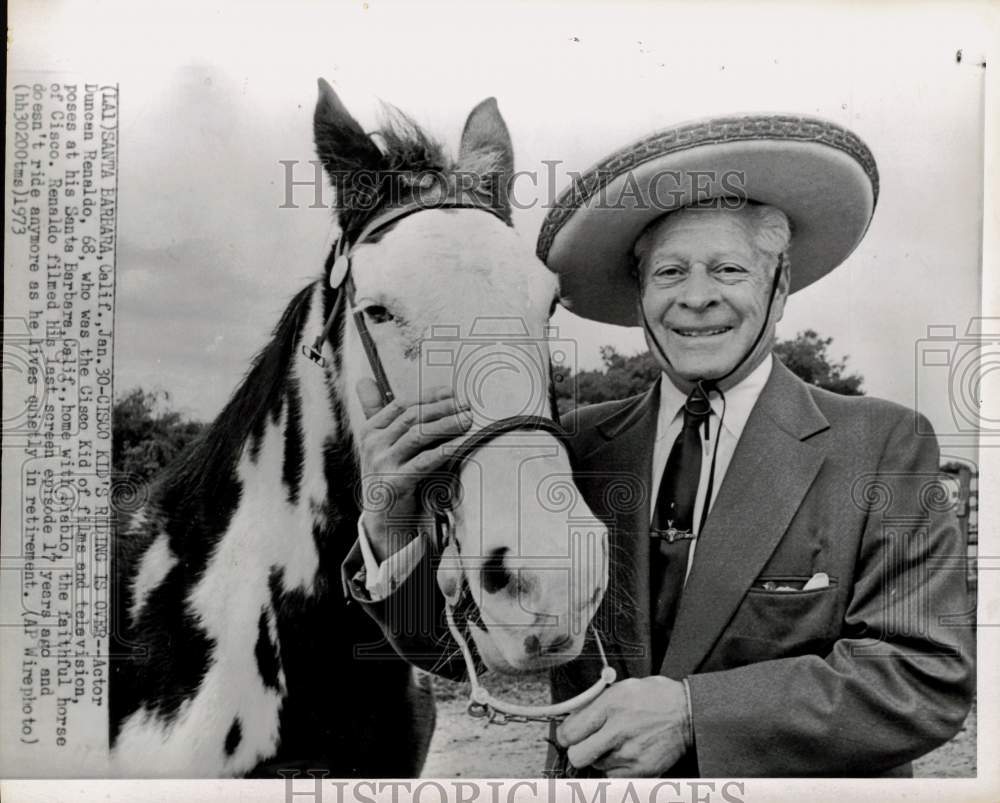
[{"x": 818, "y": 580}]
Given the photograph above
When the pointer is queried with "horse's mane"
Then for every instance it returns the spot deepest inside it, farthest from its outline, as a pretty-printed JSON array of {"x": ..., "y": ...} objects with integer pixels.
[{"x": 211, "y": 459}]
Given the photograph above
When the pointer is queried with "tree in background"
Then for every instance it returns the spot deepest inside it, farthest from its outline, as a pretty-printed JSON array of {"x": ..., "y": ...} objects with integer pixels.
[
  {"x": 147, "y": 434},
  {"x": 806, "y": 355}
]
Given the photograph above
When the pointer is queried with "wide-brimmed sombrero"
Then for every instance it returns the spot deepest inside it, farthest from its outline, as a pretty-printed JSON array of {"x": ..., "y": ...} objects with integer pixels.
[{"x": 822, "y": 176}]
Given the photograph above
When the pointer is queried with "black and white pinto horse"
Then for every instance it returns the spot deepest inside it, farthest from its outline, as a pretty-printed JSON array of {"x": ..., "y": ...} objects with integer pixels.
[{"x": 239, "y": 653}]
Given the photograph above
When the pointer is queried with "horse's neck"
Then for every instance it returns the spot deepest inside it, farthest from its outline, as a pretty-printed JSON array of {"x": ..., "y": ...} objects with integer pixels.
[
  {"x": 260, "y": 529},
  {"x": 285, "y": 487}
]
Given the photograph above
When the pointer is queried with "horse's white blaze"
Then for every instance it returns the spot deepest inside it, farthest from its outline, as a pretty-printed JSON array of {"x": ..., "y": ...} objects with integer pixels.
[
  {"x": 265, "y": 533},
  {"x": 492, "y": 303},
  {"x": 154, "y": 565},
  {"x": 422, "y": 273}
]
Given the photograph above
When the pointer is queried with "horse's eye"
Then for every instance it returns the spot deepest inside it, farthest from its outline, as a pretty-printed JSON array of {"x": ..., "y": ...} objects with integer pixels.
[{"x": 378, "y": 314}]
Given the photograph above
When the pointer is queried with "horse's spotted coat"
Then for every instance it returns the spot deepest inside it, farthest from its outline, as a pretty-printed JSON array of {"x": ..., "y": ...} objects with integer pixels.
[
  {"x": 215, "y": 576},
  {"x": 236, "y": 652}
]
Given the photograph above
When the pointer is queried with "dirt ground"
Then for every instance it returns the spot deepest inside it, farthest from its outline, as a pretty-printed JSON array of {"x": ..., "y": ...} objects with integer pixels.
[{"x": 470, "y": 748}]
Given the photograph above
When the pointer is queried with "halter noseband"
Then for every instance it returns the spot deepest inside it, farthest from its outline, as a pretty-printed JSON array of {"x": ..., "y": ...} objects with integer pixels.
[{"x": 481, "y": 702}]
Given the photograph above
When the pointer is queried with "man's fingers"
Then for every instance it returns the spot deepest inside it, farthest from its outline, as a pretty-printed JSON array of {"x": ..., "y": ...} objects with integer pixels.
[
  {"x": 418, "y": 416},
  {"x": 438, "y": 393},
  {"x": 611, "y": 763},
  {"x": 427, "y": 435},
  {"x": 434, "y": 457},
  {"x": 591, "y": 749},
  {"x": 371, "y": 398},
  {"x": 577, "y": 727}
]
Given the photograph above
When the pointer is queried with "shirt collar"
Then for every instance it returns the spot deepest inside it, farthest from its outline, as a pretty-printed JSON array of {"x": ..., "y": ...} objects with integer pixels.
[{"x": 740, "y": 400}]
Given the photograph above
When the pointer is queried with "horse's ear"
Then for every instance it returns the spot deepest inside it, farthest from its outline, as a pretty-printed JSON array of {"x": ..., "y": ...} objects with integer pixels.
[
  {"x": 486, "y": 150},
  {"x": 341, "y": 144}
]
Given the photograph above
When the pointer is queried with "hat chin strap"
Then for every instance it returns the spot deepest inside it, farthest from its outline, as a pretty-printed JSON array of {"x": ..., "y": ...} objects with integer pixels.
[{"x": 707, "y": 385}]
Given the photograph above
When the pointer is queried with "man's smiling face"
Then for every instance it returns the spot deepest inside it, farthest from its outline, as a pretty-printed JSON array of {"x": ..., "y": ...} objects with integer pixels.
[{"x": 705, "y": 288}]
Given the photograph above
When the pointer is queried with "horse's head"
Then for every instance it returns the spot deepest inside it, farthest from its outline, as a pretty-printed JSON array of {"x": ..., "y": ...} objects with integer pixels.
[{"x": 454, "y": 296}]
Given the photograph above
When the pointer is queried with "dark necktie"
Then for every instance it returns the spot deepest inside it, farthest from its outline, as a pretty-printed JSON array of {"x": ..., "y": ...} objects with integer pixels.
[{"x": 673, "y": 522}]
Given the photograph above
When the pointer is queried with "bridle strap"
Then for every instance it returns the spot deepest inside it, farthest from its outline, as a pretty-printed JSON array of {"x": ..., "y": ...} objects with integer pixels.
[
  {"x": 482, "y": 437},
  {"x": 475, "y": 442},
  {"x": 378, "y": 370}
]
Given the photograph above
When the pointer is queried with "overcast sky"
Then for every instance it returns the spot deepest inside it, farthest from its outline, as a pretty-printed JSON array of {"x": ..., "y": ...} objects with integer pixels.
[{"x": 212, "y": 99}]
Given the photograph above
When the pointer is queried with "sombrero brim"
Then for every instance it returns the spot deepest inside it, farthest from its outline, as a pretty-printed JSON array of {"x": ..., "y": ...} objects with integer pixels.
[{"x": 822, "y": 176}]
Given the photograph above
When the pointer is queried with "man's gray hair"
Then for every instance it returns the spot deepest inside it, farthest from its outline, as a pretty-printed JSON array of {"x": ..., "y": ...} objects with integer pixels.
[{"x": 771, "y": 228}]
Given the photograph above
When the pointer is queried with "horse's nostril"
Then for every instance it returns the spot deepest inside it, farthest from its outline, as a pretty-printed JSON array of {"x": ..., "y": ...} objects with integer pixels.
[
  {"x": 494, "y": 573},
  {"x": 532, "y": 645}
]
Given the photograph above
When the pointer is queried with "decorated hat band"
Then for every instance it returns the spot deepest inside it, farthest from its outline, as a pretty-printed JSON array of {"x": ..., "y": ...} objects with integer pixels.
[{"x": 821, "y": 175}]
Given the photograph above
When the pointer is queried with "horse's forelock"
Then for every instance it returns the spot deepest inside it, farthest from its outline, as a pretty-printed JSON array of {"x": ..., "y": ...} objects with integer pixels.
[{"x": 411, "y": 162}]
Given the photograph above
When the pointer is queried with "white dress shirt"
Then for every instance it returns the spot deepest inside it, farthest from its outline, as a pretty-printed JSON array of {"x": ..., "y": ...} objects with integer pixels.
[
  {"x": 739, "y": 403},
  {"x": 381, "y": 580}
]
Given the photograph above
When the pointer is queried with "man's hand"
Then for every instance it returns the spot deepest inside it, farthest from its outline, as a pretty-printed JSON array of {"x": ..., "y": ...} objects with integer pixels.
[
  {"x": 638, "y": 728},
  {"x": 398, "y": 446}
]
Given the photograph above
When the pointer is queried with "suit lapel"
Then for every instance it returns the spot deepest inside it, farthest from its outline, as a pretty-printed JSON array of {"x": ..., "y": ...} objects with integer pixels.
[
  {"x": 616, "y": 476},
  {"x": 770, "y": 473}
]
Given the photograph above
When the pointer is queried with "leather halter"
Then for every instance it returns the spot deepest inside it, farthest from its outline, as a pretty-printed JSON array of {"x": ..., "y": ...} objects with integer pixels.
[{"x": 481, "y": 702}]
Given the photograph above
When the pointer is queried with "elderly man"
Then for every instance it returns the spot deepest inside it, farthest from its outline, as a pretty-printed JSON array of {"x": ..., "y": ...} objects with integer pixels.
[{"x": 789, "y": 601}]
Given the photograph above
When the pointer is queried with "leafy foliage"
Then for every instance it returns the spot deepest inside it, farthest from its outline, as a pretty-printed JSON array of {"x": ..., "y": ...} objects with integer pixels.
[
  {"x": 147, "y": 435},
  {"x": 806, "y": 355}
]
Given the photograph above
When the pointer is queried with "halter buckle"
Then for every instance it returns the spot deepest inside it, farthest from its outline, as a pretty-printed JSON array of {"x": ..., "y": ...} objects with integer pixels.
[
  {"x": 338, "y": 272},
  {"x": 315, "y": 355},
  {"x": 477, "y": 710}
]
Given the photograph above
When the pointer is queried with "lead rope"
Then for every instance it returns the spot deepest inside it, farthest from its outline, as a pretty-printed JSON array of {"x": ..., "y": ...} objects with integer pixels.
[{"x": 499, "y": 712}]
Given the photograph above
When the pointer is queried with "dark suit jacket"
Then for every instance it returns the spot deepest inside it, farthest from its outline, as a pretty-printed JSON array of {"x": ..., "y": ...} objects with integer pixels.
[{"x": 855, "y": 679}]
